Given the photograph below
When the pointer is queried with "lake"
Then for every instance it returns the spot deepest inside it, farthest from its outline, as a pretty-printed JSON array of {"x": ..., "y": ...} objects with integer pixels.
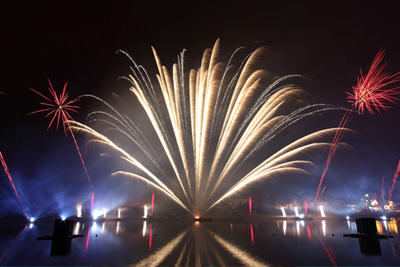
[{"x": 271, "y": 242}]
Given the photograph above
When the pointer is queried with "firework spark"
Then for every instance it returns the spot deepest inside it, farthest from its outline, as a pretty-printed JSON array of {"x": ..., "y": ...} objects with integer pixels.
[
  {"x": 395, "y": 176},
  {"x": 58, "y": 107},
  {"x": 3, "y": 162},
  {"x": 212, "y": 125},
  {"x": 372, "y": 93},
  {"x": 394, "y": 181}
]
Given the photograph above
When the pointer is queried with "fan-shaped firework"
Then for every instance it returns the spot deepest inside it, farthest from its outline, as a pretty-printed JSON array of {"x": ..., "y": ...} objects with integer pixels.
[
  {"x": 212, "y": 126},
  {"x": 372, "y": 91}
]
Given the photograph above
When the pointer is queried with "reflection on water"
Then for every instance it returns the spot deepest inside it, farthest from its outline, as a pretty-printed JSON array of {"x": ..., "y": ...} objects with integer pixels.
[
  {"x": 323, "y": 227},
  {"x": 204, "y": 241},
  {"x": 251, "y": 233},
  {"x": 308, "y": 232},
  {"x": 151, "y": 236},
  {"x": 284, "y": 227},
  {"x": 156, "y": 258},
  {"x": 392, "y": 225},
  {"x": 144, "y": 228},
  {"x": 240, "y": 254},
  {"x": 221, "y": 243}
]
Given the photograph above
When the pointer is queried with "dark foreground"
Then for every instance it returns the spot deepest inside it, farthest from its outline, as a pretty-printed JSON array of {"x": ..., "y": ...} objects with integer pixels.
[{"x": 218, "y": 243}]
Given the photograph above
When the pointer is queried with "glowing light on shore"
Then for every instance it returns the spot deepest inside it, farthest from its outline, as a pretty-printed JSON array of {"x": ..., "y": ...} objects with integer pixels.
[
  {"x": 379, "y": 227},
  {"x": 79, "y": 210},
  {"x": 296, "y": 212},
  {"x": 283, "y": 211},
  {"x": 392, "y": 225},
  {"x": 385, "y": 224},
  {"x": 32, "y": 219},
  {"x": 321, "y": 209},
  {"x": 96, "y": 214},
  {"x": 104, "y": 212},
  {"x": 145, "y": 211},
  {"x": 76, "y": 228},
  {"x": 119, "y": 213},
  {"x": 212, "y": 128}
]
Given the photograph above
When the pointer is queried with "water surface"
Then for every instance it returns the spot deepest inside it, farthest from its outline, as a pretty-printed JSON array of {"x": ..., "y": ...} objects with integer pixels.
[{"x": 218, "y": 243}]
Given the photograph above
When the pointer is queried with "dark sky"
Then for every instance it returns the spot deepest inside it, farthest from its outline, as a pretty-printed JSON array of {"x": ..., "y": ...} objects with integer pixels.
[{"x": 327, "y": 41}]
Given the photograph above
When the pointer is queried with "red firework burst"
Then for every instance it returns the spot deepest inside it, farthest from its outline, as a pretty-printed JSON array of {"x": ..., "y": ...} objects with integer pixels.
[
  {"x": 372, "y": 91},
  {"x": 57, "y": 108}
]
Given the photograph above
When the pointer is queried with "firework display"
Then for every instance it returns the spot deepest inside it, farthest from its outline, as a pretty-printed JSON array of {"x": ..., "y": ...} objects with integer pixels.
[{"x": 211, "y": 125}]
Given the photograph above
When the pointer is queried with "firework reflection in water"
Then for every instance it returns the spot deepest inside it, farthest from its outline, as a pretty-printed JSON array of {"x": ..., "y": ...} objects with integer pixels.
[{"x": 211, "y": 125}]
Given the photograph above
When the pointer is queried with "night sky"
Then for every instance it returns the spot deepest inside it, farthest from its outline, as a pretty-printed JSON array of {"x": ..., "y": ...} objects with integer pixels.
[{"x": 328, "y": 42}]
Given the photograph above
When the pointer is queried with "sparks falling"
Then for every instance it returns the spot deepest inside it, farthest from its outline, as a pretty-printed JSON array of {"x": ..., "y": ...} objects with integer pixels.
[
  {"x": 390, "y": 191},
  {"x": 395, "y": 176},
  {"x": 211, "y": 126},
  {"x": 3, "y": 162},
  {"x": 58, "y": 108},
  {"x": 373, "y": 93}
]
